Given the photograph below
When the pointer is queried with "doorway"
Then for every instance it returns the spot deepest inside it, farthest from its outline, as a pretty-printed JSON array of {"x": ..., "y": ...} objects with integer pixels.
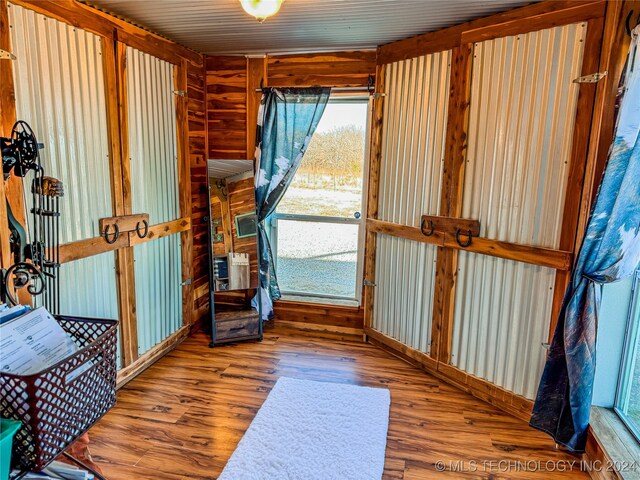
[{"x": 317, "y": 229}]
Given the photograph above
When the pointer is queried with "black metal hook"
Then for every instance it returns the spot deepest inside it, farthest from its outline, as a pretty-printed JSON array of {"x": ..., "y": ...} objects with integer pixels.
[
  {"x": 146, "y": 228},
  {"x": 116, "y": 233},
  {"x": 428, "y": 233},
  {"x": 469, "y": 239}
]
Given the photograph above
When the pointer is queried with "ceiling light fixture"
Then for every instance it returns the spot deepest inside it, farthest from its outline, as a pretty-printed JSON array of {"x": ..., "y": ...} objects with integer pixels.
[{"x": 261, "y": 9}]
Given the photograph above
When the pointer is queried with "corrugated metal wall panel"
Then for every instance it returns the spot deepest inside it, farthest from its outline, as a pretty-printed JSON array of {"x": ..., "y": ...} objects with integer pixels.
[
  {"x": 59, "y": 88},
  {"x": 403, "y": 300},
  {"x": 522, "y": 113},
  {"x": 502, "y": 312},
  {"x": 523, "y": 105},
  {"x": 415, "y": 119},
  {"x": 152, "y": 137},
  {"x": 60, "y": 92},
  {"x": 88, "y": 288},
  {"x": 154, "y": 189},
  {"x": 158, "y": 273}
]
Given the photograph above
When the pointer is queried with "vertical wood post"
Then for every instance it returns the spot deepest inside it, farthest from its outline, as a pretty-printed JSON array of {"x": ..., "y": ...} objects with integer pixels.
[
  {"x": 451, "y": 199},
  {"x": 184, "y": 188},
  {"x": 255, "y": 74},
  {"x": 115, "y": 61},
  {"x": 373, "y": 183},
  {"x": 7, "y": 119},
  {"x": 606, "y": 48}
]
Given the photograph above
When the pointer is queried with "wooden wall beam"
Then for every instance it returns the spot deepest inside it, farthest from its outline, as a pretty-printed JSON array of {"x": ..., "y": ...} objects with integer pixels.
[
  {"x": 256, "y": 68},
  {"x": 606, "y": 49},
  {"x": 184, "y": 189},
  {"x": 7, "y": 119},
  {"x": 93, "y": 20},
  {"x": 198, "y": 153},
  {"x": 121, "y": 175},
  {"x": 543, "y": 257},
  {"x": 89, "y": 247},
  {"x": 404, "y": 231},
  {"x": 12, "y": 188},
  {"x": 522, "y": 20},
  {"x": 312, "y": 313},
  {"x": 125, "y": 275},
  {"x": 577, "y": 165},
  {"x": 451, "y": 199},
  {"x": 331, "y": 69},
  {"x": 373, "y": 189},
  {"x": 162, "y": 230}
]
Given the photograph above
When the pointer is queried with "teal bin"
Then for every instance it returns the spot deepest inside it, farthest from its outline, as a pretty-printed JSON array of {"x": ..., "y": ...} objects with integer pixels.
[{"x": 8, "y": 429}]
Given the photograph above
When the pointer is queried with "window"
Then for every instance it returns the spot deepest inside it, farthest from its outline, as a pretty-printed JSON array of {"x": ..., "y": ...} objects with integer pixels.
[
  {"x": 317, "y": 230},
  {"x": 628, "y": 397}
]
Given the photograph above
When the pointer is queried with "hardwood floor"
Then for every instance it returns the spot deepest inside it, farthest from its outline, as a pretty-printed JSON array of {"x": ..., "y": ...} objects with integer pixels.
[{"x": 183, "y": 417}]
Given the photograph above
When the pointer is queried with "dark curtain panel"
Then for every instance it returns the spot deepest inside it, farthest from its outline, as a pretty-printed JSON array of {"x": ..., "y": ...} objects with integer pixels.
[
  {"x": 286, "y": 121},
  {"x": 610, "y": 252}
]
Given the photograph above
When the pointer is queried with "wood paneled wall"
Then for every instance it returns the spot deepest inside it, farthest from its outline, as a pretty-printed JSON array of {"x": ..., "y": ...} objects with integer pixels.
[
  {"x": 232, "y": 102},
  {"x": 196, "y": 93},
  {"x": 338, "y": 69},
  {"x": 227, "y": 107}
]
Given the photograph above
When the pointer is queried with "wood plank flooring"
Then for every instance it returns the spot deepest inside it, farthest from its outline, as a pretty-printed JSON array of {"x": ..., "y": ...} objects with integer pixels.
[{"x": 183, "y": 417}]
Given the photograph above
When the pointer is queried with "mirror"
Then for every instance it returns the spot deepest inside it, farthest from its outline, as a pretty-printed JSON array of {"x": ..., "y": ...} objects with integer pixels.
[{"x": 232, "y": 225}]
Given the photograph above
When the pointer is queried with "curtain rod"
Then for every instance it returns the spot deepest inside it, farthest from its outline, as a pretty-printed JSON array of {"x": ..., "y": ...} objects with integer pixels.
[
  {"x": 343, "y": 89},
  {"x": 333, "y": 89}
]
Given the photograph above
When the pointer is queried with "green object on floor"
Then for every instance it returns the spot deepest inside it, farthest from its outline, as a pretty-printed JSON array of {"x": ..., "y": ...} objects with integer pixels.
[{"x": 8, "y": 429}]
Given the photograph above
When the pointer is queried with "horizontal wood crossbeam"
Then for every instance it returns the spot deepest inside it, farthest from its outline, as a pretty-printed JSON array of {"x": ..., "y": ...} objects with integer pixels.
[
  {"x": 125, "y": 223},
  {"x": 96, "y": 245},
  {"x": 318, "y": 314},
  {"x": 95, "y": 21},
  {"x": 544, "y": 257},
  {"x": 162, "y": 230},
  {"x": 451, "y": 224},
  {"x": 519, "y": 21},
  {"x": 404, "y": 231},
  {"x": 89, "y": 247}
]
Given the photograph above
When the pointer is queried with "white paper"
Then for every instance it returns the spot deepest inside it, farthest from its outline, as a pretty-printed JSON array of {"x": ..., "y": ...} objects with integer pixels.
[{"x": 34, "y": 342}]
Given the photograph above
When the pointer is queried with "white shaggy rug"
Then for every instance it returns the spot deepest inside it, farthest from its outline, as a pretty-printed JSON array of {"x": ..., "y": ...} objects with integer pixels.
[{"x": 314, "y": 430}]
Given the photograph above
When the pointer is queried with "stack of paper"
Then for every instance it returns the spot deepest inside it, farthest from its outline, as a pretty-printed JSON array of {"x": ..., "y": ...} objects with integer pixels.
[{"x": 33, "y": 342}]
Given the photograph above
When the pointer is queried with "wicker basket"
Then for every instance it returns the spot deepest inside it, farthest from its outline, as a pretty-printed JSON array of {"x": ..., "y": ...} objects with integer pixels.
[{"x": 54, "y": 409}]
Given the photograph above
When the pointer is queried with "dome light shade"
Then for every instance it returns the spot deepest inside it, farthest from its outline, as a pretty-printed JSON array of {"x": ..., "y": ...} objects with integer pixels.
[{"x": 261, "y": 9}]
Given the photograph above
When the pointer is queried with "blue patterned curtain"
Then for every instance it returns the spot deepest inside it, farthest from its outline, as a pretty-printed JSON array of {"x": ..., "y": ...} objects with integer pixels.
[
  {"x": 610, "y": 252},
  {"x": 286, "y": 121}
]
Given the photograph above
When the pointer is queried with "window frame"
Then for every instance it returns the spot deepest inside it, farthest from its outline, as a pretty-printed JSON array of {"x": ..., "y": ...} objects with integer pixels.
[
  {"x": 632, "y": 331},
  {"x": 272, "y": 221}
]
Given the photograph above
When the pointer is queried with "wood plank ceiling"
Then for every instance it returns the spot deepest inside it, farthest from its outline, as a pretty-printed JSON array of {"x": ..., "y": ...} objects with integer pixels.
[{"x": 222, "y": 27}]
